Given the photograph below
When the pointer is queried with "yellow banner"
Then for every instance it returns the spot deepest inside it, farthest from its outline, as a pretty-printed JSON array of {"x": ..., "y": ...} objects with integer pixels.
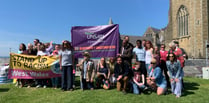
[{"x": 35, "y": 63}]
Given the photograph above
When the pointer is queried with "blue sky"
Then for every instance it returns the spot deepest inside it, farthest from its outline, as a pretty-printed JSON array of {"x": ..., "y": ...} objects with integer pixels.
[{"x": 21, "y": 21}]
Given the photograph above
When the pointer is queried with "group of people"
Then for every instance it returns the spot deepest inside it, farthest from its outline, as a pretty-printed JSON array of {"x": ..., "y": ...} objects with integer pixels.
[
  {"x": 137, "y": 68},
  {"x": 158, "y": 69},
  {"x": 64, "y": 51}
]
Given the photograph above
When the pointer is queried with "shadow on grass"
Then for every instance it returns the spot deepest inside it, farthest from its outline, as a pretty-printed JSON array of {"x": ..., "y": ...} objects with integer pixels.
[
  {"x": 4, "y": 89},
  {"x": 189, "y": 87}
]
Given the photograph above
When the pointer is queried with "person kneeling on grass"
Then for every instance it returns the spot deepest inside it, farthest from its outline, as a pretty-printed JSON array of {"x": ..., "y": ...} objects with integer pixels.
[
  {"x": 156, "y": 80},
  {"x": 138, "y": 79},
  {"x": 121, "y": 72},
  {"x": 175, "y": 73},
  {"x": 87, "y": 72}
]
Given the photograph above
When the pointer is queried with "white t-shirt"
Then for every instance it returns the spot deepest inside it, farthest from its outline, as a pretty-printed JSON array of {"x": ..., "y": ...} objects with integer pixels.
[
  {"x": 148, "y": 57},
  {"x": 140, "y": 53}
]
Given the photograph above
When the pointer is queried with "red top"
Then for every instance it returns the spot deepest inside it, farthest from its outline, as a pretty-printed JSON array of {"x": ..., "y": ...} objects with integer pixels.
[
  {"x": 163, "y": 55},
  {"x": 137, "y": 76},
  {"x": 179, "y": 56}
]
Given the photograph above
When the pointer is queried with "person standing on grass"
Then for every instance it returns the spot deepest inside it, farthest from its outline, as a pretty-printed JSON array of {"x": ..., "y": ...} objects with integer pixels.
[
  {"x": 87, "y": 72},
  {"x": 126, "y": 38},
  {"x": 143, "y": 43},
  {"x": 163, "y": 58},
  {"x": 156, "y": 79},
  {"x": 42, "y": 52},
  {"x": 35, "y": 47},
  {"x": 175, "y": 74},
  {"x": 56, "y": 53},
  {"x": 49, "y": 47},
  {"x": 66, "y": 65},
  {"x": 22, "y": 50},
  {"x": 149, "y": 54},
  {"x": 126, "y": 52},
  {"x": 121, "y": 73},
  {"x": 156, "y": 54},
  {"x": 183, "y": 51},
  {"x": 30, "y": 51}
]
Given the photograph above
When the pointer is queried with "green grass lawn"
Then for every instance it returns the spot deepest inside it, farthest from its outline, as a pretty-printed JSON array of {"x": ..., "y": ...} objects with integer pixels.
[{"x": 197, "y": 91}]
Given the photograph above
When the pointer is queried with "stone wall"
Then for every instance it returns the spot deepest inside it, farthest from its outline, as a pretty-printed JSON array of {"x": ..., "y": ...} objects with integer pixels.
[
  {"x": 194, "y": 42},
  {"x": 196, "y": 62}
]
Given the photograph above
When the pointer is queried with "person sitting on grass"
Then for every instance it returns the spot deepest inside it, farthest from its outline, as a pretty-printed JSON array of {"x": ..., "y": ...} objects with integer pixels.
[
  {"x": 121, "y": 72},
  {"x": 138, "y": 79},
  {"x": 112, "y": 79},
  {"x": 103, "y": 72},
  {"x": 87, "y": 72},
  {"x": 156, "y": 80}
]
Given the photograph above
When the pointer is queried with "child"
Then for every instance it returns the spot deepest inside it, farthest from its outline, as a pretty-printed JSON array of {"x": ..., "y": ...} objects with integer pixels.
[
  {"x": 87, "y": 72},
  {"x": 138, "y": 79}
]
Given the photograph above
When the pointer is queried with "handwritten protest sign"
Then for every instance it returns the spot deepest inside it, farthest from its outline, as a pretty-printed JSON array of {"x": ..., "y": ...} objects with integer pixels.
[{"x": 33, "y": 67}]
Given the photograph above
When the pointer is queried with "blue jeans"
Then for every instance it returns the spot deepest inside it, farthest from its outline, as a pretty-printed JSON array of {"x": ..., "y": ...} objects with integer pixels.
[
  {"x": 136, "y": 88},
  {"x": 176, "y": 87},
  {"x": 85, "y": 85},
  {"x": 67, "y": 77},
  {"x": 54, "y": 81}
]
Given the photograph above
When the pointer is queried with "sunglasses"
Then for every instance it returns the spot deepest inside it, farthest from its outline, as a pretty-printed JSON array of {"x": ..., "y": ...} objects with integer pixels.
[
  {"x": 171, "y": 56},
  {"x": 162, "y": 47},
  {"x": 153, "y": 63}
]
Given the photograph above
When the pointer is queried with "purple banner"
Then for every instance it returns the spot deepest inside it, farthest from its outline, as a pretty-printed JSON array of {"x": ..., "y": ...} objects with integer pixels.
[{"x": 99, "y": 41}]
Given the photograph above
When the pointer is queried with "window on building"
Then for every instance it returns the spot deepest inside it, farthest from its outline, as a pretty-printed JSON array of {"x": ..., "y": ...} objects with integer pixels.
[{"x": 182, "y": 21}]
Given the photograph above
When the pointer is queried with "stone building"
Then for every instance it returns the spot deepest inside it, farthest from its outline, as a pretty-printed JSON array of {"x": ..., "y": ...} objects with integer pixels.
[
  {"x": 155, "y": 35},
  {"x": 188, "y": 24}
]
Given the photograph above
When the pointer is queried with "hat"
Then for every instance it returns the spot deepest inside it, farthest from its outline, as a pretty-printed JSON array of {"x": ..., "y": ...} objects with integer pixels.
[
  {"x": 176, "y": 42},
  {"x": 86, "y": 54}
]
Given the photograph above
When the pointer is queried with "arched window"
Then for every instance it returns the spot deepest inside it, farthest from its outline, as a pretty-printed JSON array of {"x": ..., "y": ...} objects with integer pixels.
[{"x": 182, "y": 21}]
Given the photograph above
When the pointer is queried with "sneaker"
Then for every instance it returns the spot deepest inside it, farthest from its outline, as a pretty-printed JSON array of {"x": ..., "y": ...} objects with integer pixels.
[
  {"x": 44, "y": 86},
  {"x": 28, "y": 86},
  {"x": 69, "y": 90},
  {"x": 21, "y": 86},
  {"x": 16, "y": 84},
  {"x": 74, "y": 86},
  {"x": 63, "y": 90},
  {"x": 146, "y": 88},
  {"x": 38, "y": 86}
]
